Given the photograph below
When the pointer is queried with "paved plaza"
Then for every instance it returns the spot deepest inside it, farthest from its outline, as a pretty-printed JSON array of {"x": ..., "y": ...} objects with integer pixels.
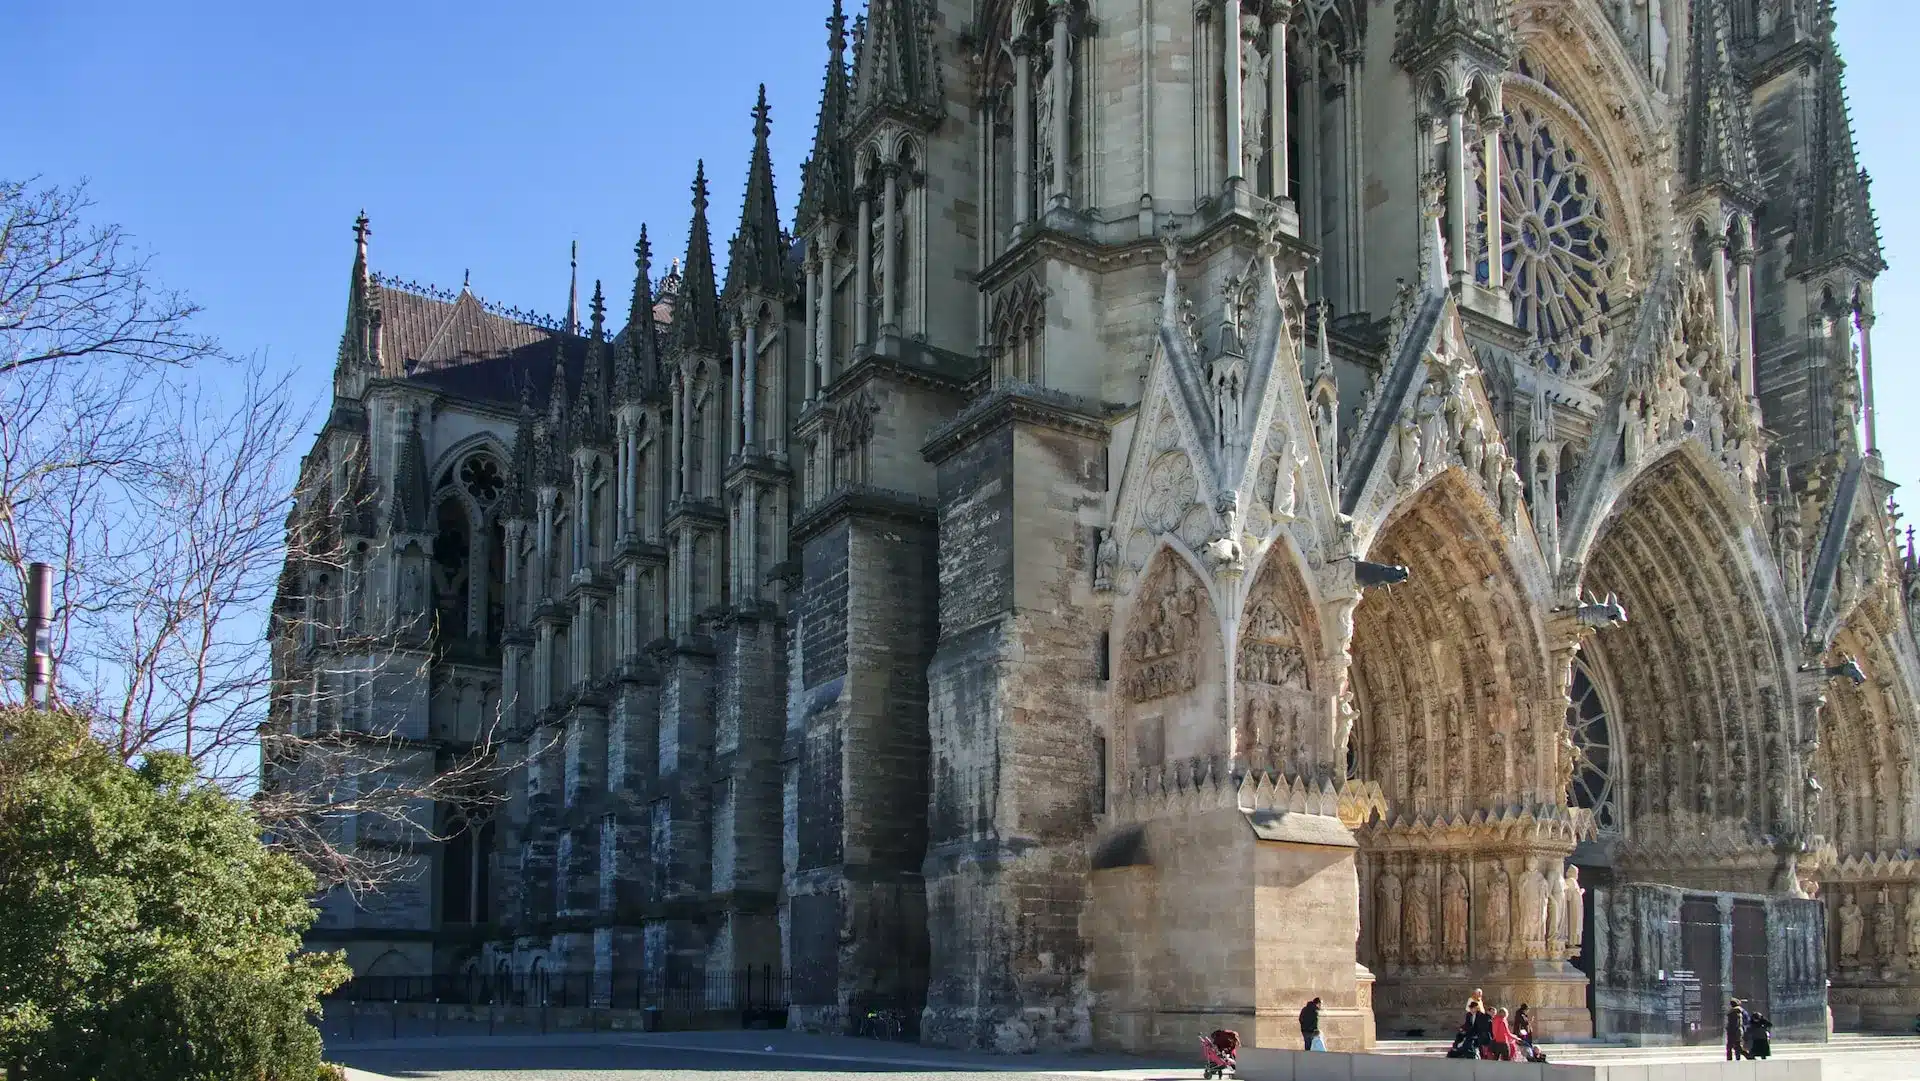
[{"x": 788, "y": 1056}]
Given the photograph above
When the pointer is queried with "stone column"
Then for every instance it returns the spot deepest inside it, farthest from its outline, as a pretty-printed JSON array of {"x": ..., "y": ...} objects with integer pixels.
[
  {"x": 685, "y": 430},
  {"x": 1722, "y": 303},
  {"x": 1356, "y": 222},
  {"x": 1457, "y": 189},
  {"x": 749, "y": 433},
  {"x": 1490, "y": 128},
  {"x": 1277, "y": 97},
  {"x": 863, "y": 267},
  {"x": 1749, "y": 377},
  {"x": 1022, "y": 132},
  {"x": 890, "y": 259},
  {"x": 827, "y": 286},
  {"x": 635, "y": 482},
  {"x": 678, "y": 450},
  {"x": 813, "y": 327},
  {"x": 1863, "y": 317},
  {"x": 1230, "y": 43},
  {"x": 736, "y": 419},
  {"x": 1062, "y": 75}
]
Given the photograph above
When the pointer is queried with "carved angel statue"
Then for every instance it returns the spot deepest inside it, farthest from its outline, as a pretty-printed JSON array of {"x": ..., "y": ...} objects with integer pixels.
[{"x": 1286, "y": 484}]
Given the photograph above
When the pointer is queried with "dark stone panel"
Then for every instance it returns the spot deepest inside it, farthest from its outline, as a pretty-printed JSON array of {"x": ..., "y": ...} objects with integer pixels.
[
  {"x": 823, "y": 606},
  {"x": 815, "y": 931},
  {"x": 976, "y": 532},
  {"x": 821, "y": 810}
]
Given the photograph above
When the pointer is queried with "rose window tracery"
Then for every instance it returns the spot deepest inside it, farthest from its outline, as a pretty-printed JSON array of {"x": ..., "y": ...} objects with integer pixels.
[
  {"x": 1593, "y": 768},
  {"x": 1555, "y": 251},
  {"x": 480, "y": 474}
]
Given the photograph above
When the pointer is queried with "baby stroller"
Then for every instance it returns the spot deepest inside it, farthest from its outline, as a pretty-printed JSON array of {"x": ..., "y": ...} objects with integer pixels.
[{"x": 1220, "y": 1047}]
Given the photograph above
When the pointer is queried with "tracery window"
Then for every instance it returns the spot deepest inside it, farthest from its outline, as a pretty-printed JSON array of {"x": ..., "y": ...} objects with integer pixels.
[
  {"x": 1593, "y": 768},
  {"x": 1555, "y": 250}
]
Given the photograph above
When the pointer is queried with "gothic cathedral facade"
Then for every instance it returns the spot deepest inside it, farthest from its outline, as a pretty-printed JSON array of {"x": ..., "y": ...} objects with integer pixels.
[{"x": 1210, "y": 503}]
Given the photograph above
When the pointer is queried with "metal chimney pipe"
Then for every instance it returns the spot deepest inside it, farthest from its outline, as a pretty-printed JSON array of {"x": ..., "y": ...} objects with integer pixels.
[{"x": 39, "y": 667}]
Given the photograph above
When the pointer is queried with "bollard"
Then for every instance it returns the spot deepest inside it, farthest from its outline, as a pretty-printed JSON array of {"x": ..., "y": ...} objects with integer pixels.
[
  {"x": 393, "y": 1014},
  {"x": 436, "y": 1015}
]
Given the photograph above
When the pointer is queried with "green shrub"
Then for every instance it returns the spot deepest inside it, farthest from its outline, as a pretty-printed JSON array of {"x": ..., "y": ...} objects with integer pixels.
[{"x": 145, "y": 931}]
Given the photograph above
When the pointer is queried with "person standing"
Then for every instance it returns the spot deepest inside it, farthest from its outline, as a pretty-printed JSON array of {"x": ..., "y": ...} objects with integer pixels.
[
  {"x": 1310, "y": 1027},
  {"x": 1736, "y": 1030}
]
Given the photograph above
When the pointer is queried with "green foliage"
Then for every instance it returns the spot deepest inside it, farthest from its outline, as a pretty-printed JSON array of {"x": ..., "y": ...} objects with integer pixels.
[{"x": 145, "y": 931}]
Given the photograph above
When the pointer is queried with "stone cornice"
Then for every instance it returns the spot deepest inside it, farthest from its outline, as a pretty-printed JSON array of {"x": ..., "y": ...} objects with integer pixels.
[
  {"x": 861, "y": 501},
  {"x": 1018, "y": 402},
  {"x": 1212, "y": 227}
]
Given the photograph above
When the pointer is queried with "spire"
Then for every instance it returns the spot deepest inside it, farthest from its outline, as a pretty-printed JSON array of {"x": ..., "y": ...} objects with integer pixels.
[
  {"x": 1718, "y": 146},
  {"x": 591, "y": 411},
  {"x": 637, "y": 371},
  {"x": 573, "y": 289},
  {"x": 554, "y": 447},
  {"x": 408, "y": 513},
  {"x": 757, "y": 259},
  {"x": 1842, "y": 222},
  {"x": 356, "y": 360},
  {"x": 894, "y": 63},
  {"x": 696, "y": 317},
  {"x": 827, "y": 177},
  {"x": 520, "y": 479}
]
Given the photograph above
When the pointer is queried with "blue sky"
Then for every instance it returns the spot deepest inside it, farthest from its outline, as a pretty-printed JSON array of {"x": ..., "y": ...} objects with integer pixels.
[{"x": 238, "y": 141}]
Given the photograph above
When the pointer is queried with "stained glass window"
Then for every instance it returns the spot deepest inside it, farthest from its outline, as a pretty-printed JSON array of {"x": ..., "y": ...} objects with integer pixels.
[
  {"x": 1593, "y": 767},
  {"x": 1554, "y": 246}
]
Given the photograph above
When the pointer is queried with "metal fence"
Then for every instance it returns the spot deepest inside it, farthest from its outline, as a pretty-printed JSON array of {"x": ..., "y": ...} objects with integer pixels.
[{"x": 747, "y": 990}]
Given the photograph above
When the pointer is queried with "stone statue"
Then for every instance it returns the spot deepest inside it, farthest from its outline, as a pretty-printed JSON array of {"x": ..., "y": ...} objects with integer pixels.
[
  {"x": 1419, "y": 913},
  {"x": 1386, "y": 915},
  {"x": 1533, "y": 908},
  {"x": 1286, "y": 481},
  {"x": 1851, "y": 925},
  {"x": 1574, "y": 901},
  {"x": 1886, "y": 929},
  {"x": 1913, "y": 927},
  {"x": 1620, "y": 939},
  {"x": 1453, "y": 915},
  {"x": 1044, "y": 108},
  {"x": 1499, "y": 920},
  {"x": 1657, "y": 41},
  {"x": 1107, "y": 558},
  {"x": 1253, "y": 95}
]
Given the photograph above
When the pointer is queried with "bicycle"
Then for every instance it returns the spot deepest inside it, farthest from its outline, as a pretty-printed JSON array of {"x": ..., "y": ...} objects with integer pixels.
[{"x": 881, "y": 1025}]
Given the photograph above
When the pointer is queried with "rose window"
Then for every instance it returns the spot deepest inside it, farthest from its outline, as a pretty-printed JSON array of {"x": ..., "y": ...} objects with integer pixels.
[
  {"x": 1593, "y": 771},
  {"x": 1554, "y": 246},
  {"x": 482, "y": 478}
]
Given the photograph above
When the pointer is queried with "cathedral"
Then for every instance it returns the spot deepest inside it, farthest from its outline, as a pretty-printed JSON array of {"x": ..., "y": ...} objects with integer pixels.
[{"x": 1210, "y": 503}]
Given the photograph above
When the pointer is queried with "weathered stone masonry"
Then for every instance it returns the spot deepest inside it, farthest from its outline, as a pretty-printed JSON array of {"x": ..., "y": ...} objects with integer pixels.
[{"x": 1207, "y": 504}]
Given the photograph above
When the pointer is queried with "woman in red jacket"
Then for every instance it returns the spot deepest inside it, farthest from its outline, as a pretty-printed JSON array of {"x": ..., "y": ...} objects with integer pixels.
[{"x": 1503, "y": 1042}]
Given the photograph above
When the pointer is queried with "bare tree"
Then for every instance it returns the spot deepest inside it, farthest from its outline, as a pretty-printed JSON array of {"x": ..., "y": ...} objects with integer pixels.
[{"x": 155, "y": 472}]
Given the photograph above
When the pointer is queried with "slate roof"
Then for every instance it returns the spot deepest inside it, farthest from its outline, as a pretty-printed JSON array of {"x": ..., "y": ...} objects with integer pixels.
[{"x": 463, "y": 349}]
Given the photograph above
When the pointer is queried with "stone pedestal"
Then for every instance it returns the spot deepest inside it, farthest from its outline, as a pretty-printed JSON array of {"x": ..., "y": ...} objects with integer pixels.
[{"x": 1196, "y": 923}]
